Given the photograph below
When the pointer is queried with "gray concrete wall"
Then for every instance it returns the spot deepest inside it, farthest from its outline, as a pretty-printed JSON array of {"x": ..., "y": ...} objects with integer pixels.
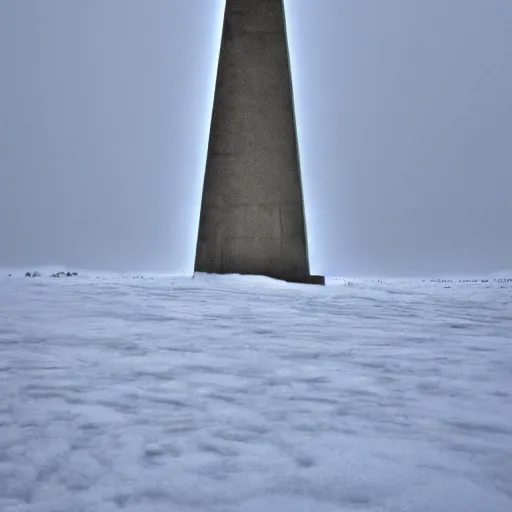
[{"x": 252, "y": 216}]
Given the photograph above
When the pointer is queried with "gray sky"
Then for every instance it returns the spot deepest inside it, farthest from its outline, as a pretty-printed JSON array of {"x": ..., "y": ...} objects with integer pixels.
[{"x": 405, "y": 125}]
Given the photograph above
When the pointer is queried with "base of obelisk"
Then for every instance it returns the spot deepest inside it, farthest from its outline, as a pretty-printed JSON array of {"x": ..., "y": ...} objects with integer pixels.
[{"x": 318, "y": 280}]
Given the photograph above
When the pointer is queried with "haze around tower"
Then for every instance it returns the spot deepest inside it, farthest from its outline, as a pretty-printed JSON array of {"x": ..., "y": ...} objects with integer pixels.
[{"x": 404, "y": 113}]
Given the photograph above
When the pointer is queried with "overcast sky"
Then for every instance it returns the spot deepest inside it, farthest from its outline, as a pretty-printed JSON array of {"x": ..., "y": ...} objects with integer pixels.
[{"x": 405, "y": 127}]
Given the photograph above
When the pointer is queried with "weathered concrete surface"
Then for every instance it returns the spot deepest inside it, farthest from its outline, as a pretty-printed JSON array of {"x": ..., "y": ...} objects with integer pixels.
[{"x": 252, "y": 214}]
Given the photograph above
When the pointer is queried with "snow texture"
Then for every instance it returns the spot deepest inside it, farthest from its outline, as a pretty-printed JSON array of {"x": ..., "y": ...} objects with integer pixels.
[{"x": 247, "y": 394}]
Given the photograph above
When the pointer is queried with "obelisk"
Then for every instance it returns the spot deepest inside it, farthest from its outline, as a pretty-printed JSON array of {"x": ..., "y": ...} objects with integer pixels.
[{"x": 252, "y": 212}]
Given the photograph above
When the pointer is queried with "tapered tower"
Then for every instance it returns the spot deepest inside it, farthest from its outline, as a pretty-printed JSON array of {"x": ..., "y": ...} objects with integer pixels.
[{"x": 252, "y": 211}]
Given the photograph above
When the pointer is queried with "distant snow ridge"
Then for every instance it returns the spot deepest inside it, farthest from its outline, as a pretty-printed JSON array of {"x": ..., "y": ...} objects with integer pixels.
[
  {"x": 56, "y": 274},
  {"x": 401, "y": 281},
  {"x": 258, "y": 281}
]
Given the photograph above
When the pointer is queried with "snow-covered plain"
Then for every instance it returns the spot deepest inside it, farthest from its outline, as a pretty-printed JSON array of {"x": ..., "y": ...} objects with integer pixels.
[{"x": 247, "y": 394}]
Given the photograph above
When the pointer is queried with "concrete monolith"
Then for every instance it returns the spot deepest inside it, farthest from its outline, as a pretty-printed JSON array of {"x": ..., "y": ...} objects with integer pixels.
[{"x": 252, "y": 211}]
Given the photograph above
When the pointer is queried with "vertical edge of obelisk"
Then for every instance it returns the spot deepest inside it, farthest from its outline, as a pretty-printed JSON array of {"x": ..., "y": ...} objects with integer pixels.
[
  {"x": 297, "y": 150},
  {"x": 202, "y": 211}
]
